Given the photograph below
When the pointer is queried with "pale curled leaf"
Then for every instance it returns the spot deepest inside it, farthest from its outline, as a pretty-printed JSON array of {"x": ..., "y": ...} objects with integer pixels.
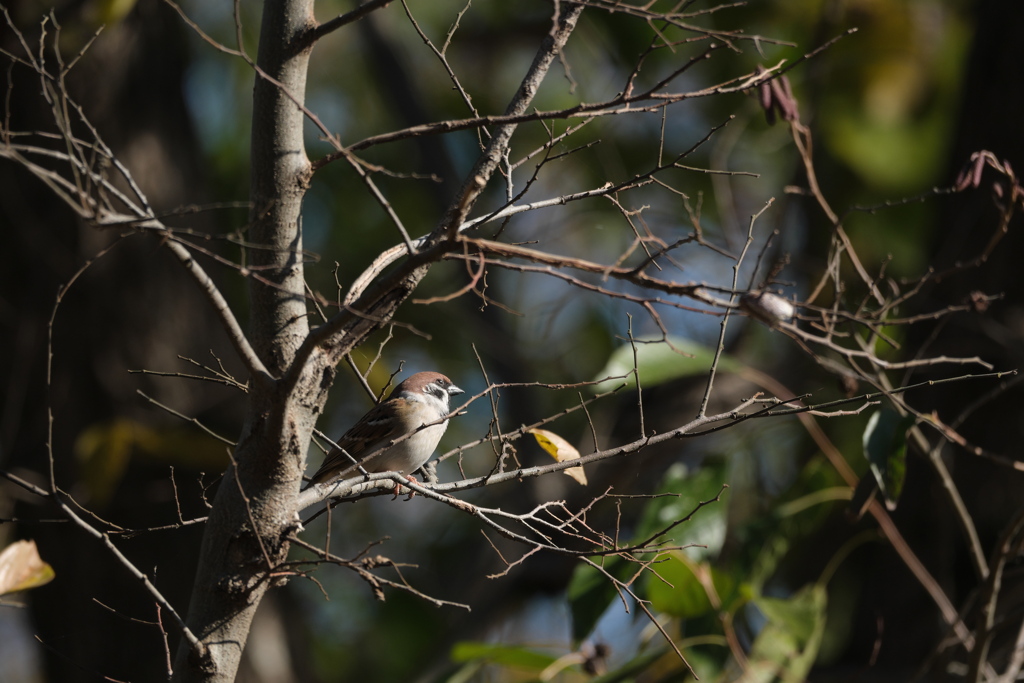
[
  {"x": 21, "y": 568},
  {"x": 561, "y": 450}
]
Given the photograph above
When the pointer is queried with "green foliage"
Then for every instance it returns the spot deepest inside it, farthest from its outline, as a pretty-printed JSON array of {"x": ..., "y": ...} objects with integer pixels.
[
  {"x": 788, "y": 643},
  {"x": 684, "y": 588},
  {"x": 702, "y": 595},
  {"x": 883, "y": 103},
  {"x": 885, "y": 447},
  {"x": 686, "y": 489},
  {"x": 516, "y": 657},
  {"x": 590, "y": 593},
  {"x": 660, "y": 361}
]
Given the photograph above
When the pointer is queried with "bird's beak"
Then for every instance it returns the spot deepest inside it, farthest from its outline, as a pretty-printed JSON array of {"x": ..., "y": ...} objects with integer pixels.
[{"x": 455, "y": 391}]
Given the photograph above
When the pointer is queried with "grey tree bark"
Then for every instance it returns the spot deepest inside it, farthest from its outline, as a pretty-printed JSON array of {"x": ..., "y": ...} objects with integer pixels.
[{"x": 254, "y": 509}]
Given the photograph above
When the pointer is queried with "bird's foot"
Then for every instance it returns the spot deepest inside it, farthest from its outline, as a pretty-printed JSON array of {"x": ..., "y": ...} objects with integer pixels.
[{"x": 397, "y": 488}]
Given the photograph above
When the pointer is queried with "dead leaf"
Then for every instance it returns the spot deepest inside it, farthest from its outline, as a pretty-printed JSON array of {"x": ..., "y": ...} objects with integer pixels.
[
  {"x": 561, "y": 450},
  {"x": 21, "y": 568}
]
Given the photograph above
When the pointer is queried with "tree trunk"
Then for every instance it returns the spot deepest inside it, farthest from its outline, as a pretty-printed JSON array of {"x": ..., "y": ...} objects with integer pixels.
[{"x": 246, "y": 535}]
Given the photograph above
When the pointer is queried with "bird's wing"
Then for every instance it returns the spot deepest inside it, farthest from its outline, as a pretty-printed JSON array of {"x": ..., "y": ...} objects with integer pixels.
[{"x": 363, "y": 439}]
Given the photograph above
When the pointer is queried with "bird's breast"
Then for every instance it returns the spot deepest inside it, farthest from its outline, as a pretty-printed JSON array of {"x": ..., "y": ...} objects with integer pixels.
[{"x": 412, "y": 453}]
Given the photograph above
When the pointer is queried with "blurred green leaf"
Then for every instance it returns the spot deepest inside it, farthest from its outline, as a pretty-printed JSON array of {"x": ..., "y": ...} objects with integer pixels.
[
  {"x": 679, "y": 591},
  {"x": 901, "y": 157},
  {"x": 681, "y": 587},
  {"x": 786, "y": 527},
  {"x": 661, "y": 361},
  {"x": 505, "y": 655},
  {"x": 885, "y": 447},
  {"x": 787, "y": 645},
  {"x": 590, "y": 592},
  {"x": 707, "y": 528},
  {"x": 799, "y": 615}
]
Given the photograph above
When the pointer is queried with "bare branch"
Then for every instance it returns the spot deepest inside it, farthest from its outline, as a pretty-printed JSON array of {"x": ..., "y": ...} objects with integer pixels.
[{"x": 321, "y": 30}]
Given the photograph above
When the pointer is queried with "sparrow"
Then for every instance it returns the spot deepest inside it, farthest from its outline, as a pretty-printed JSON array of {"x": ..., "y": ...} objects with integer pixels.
[{"x": 422, "y": 399}]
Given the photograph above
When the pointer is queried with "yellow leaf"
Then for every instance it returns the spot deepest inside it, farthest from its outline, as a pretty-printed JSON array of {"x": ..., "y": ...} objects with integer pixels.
[
  {"x": 561, "y": 450},
  {"x": 21, "y": 568},
  {"x": 112, "y": 11},
  {"x": 105, "y": 450}
]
